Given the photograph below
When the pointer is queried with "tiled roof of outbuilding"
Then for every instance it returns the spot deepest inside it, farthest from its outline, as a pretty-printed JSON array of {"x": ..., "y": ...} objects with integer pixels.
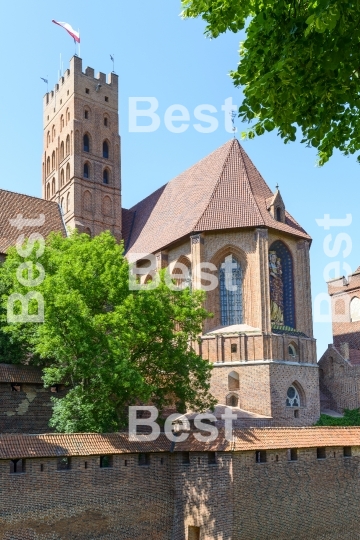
[
  {"x": 275, "y": 438},
  {"x": 222, "y": 191},
  {"x": 13, "y": 205},
  {"x": 15, "y": 373},
  {"x": 14, "y": 446},
  {"x": 86, "y": 444}
]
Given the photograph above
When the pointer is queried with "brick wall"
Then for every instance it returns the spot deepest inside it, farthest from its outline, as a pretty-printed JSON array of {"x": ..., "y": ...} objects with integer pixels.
[
  {"x": 342, "y": 292},
  {"x": 26, "y": 411},
  {"x": 339, "y": 381},
  {"x": 124, "y": 501},
  {"x": 306, "y": 380},
  {"x": 263, "y": 389},
  {"x": 232, "y": 499},
  {"x": 305, "y": 499}
]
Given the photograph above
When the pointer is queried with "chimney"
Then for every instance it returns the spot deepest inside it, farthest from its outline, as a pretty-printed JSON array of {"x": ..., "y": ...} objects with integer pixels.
[{"x": 345, "y": 350}]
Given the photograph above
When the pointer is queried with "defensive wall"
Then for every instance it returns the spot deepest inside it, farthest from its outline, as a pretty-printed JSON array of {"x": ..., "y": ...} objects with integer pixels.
[{"x": 284, "y": 483}]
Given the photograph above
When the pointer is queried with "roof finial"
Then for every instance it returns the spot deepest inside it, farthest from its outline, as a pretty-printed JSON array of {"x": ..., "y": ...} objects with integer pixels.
[
  {"x": 233, "y": 116},
  {"x": 277, "y": 186}
]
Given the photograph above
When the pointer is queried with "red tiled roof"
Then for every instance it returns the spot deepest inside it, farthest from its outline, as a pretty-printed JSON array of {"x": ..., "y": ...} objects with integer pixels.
[
  {"x": 222, "y": 191},
  {"x": 14, "y": 204},
  {"x": 15, "y": 373},
  {"x": 274, "y": 438},
  {"x": 14, "y": 446},
  {"x": 127, "y": 220}
]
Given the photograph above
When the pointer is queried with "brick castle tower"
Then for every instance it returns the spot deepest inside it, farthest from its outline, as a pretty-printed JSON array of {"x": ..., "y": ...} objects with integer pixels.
[{"x": 81, "y": 157}]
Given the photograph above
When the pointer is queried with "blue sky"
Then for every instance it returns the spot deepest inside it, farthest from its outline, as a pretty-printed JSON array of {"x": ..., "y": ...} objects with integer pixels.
[{"x": 159, "y": 55}]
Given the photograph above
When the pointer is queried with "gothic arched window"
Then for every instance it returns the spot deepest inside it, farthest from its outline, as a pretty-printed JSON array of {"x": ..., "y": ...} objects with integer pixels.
[
  {"x": 86, "y": 171},
  {"x": 233, "y": 380},
  {"x": 292, "y": 397},
  {"x": 67, "y": 145},
  {"x": 182, "y": 273},
  {"x": 278, "y": 214},
  {"x": 106, "y": 176},
  {"x": 105, "y": 150},
  {"x": 282, "y": 302},
  {"x": 62, "y": 151},
  {"x": 232, "y": 400},
  {"x": 355, "y": 309},
  {"x": 67, "y": 172},
  {"x": 86, "y": 141},
  {"x": 87, "y": 201},
  {"x": 231, "y": 304}
]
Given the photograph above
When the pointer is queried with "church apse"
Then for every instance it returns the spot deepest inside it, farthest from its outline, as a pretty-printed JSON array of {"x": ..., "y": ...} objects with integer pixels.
[{"x": 282, "y": 305}]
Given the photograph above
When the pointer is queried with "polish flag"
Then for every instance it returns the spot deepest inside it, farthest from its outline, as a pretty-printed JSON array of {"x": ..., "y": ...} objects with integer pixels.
[{"x": 69, "y": 30}]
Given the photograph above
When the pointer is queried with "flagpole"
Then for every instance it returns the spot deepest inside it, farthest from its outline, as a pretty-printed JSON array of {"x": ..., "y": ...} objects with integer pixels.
[{"x": 79, "y": 41}]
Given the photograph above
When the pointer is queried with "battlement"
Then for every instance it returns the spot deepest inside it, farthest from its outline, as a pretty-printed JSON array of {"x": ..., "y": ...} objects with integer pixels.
[{"x": 74, "y": 73}]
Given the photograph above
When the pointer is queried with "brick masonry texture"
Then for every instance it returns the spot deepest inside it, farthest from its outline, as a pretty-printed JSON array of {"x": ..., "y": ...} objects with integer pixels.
[
  {"x": 258, "y": 392},
  {"x": 163, "y": 499},
  {"x": 27, "y": 409},
  {"x": 79, "y": 107},
  {"x": 340, "y": 363}
]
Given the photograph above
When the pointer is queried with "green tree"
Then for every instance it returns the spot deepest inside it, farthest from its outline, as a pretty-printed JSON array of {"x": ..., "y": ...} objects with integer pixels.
[
  {"x": 351, "y": 417},
  {"x": 299, "y": 67},
  {"x": 113, "y": 346},
  {"x": 14, "y": 346}
]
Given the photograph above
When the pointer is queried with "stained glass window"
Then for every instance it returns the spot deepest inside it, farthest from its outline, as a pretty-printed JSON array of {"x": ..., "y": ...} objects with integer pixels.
[
  {"x": 292, "y": 397},
  {"x": 281, "y": 260},
  {"x": 231, "y": 305}
]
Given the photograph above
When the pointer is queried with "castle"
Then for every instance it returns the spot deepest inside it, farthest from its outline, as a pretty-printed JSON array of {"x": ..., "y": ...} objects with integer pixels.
[{"x": 220, "y": 212}]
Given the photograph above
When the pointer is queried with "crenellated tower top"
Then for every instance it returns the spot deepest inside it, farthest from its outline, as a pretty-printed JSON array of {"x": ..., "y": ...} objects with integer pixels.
[{"x": 81, "y": 158}]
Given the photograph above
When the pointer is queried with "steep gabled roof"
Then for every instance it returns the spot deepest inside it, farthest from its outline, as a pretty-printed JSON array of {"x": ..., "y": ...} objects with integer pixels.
[
  {"x": 13, "y": 205},
  {"x": 222, "y": 191}
]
